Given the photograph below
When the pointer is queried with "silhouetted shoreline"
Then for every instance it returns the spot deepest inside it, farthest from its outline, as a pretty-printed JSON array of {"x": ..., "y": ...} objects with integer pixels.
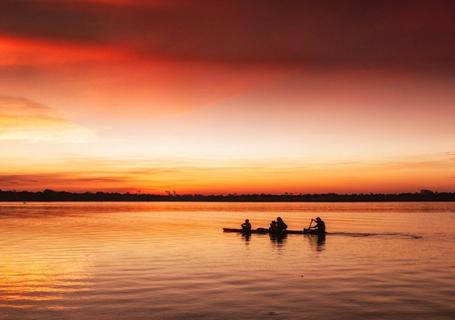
[{"x": 57, "y": 196}]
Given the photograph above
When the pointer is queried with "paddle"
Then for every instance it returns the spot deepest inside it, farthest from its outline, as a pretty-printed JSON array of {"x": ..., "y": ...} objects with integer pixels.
[{"x": 309, "y": 227}]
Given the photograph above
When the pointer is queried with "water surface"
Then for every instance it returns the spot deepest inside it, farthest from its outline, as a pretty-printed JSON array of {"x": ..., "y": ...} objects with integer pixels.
[{"x": 172, "y": 261}]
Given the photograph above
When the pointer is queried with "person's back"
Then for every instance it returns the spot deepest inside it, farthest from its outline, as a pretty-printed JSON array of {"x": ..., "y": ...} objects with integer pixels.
[
  {"x": 320, "y": 224},
  {"x": 281, "y": 226},
  {"x": 273, "y": 227}
]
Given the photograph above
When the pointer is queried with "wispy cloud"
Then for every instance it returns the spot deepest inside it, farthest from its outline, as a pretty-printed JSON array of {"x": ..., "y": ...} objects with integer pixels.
[
  {"x": 451, "y": 155},
  {"x": 156, "y": 176},
  {"x": 63, "y": 181},
  {"x": 23, "y": 119}
]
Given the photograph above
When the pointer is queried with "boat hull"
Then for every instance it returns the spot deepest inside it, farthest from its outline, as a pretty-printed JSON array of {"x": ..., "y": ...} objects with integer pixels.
[{"x": 266, "y": 231}]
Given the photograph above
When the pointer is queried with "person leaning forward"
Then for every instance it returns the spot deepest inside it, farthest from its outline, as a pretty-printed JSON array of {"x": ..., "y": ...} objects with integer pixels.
[{"x": 319, "y": 227}]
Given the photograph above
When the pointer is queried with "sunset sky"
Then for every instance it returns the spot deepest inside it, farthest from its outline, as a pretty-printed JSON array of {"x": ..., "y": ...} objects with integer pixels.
[{"x": 227, "y": 96}]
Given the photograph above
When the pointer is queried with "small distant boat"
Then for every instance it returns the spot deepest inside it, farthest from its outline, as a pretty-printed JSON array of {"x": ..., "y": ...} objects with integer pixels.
[{"x": 266, "y": 231}]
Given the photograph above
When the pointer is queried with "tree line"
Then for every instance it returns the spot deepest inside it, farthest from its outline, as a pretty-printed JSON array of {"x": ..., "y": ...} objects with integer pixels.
[{"x": 55, "y": 196}]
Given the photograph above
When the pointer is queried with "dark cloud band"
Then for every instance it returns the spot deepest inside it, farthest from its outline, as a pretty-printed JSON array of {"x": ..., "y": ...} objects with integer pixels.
[{"x": 393, "y": 34}]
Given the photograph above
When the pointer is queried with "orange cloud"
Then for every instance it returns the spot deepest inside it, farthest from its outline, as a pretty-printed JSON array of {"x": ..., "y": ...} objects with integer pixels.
[
  {"x": 20, "y": 51},
  {"x": 22, "y": 119},
  {"x": 198, "y": 176}
]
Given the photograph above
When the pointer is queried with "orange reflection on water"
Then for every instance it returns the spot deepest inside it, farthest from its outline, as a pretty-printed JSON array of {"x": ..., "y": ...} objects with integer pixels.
[{"x": 173, "y": 260}]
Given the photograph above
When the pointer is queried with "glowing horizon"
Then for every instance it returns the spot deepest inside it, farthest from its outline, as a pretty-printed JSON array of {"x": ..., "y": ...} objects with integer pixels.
[{"x": 98, "y": 96}]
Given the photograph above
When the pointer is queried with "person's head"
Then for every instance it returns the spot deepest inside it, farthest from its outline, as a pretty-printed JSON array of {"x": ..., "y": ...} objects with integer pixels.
[
  {"x": 318, "y": 219},
  {"x": 247, "y": 220},
  {"x": 273, "y": 222},
  {"x": 279, "y": 219}
]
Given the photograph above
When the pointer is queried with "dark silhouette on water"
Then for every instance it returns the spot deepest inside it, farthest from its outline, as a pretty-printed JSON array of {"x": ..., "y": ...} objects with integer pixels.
[
  {"x": 273, "y": 227},
  {"x": 317, "y": 243},
  {"x": 281, "y": 225},
  {"x": 246, "y": 226},
  {"x": 321, "y": 240},
  {"x": 51, "y": 195},
  {"x": 277, "y": 228},
  {"x": 319, "y": 227},
  {"x": 278, "y": 238},
  {"x": 246, "y": 237}
]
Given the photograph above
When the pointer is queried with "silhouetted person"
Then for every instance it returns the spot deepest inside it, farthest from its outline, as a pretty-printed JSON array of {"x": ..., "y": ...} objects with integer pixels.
[
  {"x": 281, "y": 226},
  {"x": 246, "y": 226},
  {"x": 319, "y": 227},
  {"x": 273, "y": 227}
]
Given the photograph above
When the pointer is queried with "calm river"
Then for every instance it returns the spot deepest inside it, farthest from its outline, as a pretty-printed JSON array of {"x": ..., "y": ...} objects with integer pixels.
[{"x": 108, "y": 261}]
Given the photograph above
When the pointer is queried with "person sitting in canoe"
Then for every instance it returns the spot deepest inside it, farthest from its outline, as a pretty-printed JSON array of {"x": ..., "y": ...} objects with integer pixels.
[
  {"x": 273, "y": 227},
  {"x": 246, "y": 226},
  {"x": 281, "y": 226},
  {"x": 319, "y": 227}
]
